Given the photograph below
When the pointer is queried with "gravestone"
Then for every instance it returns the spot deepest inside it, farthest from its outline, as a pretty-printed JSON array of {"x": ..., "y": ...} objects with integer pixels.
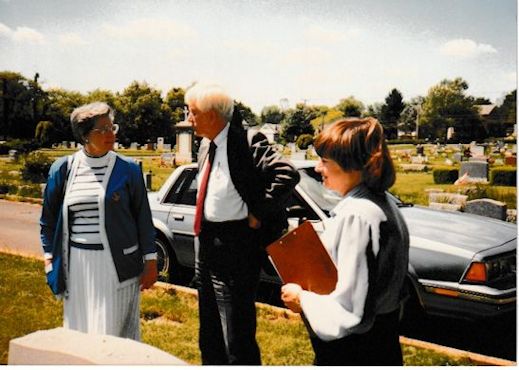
[
  {"x": 450, "y": 132},
  {"x": 418, "y": 160},
  {"x": 499, "y": 162},
  {"x": 167, "y": 147},
  {"x": 134, "y": 146},
  {"x": 73, "y": 144},
  {"x": 160, "y": 143},
  {"x": 456, "y": 157},
  {"x": 419, "y": 150},
  {"x": 13, "y": 155},
  {"x": 62, "y": 346},
  {"x": 477, "y": 151},
  {"x": 477, "y": 169},
  {"x": 448, "y": 162},
  {"x": 487, "y": 207}
]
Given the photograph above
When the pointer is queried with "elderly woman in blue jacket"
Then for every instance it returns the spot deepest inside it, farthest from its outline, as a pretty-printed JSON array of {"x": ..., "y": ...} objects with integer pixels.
[{"x": 97, "y": 216}]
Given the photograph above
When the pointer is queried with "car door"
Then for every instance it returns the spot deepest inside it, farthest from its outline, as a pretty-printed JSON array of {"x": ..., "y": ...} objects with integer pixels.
[{"x": 182, "y": 198}]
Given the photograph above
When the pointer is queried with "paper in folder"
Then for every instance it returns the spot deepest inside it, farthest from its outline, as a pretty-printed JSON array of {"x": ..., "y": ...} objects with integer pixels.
[{"x": 300, "y": 257}]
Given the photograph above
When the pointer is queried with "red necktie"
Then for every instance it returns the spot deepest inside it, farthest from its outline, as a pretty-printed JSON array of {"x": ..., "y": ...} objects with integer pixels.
[{"x": 200, "y": 200}]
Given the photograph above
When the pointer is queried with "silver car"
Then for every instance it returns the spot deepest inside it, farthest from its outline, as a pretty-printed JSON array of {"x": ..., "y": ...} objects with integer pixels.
[{"x": 460, "y": 265}]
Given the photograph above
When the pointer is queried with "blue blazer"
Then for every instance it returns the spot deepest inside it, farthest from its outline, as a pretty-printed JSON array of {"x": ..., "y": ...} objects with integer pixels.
[{"x": 128, "y": 221}]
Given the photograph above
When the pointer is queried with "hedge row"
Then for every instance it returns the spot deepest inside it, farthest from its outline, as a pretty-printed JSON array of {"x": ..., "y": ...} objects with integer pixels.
[
  {"x": 445, "y": 175},
  {"x": 503, "y": 176}
]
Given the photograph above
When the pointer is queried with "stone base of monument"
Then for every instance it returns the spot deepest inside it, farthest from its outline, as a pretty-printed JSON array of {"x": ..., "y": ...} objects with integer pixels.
[{"x": 62, "y": 346}]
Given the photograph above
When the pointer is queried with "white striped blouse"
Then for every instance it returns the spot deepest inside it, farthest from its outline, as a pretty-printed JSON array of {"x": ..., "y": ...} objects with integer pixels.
[{"x": 83, "y": 200}]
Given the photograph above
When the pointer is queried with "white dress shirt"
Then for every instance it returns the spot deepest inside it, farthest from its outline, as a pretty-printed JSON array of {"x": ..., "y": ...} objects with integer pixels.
[
  {"x": 222, "y": 200},
  {"x": 346, "y": 235}
]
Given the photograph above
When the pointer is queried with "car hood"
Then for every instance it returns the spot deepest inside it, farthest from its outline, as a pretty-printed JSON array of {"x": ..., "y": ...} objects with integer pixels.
[{"x": 470, "y": 232}]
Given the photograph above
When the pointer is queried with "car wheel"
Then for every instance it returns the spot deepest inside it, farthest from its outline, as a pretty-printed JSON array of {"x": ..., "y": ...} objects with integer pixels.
[{"x": 165, "y": 260}]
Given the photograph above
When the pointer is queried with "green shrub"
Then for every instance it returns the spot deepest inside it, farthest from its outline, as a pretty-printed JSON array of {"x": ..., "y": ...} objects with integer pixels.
[
  {"x": 36, "y": 167},
  {"x": 503, "y": 176},
  {"x": 445, "y": 175},
  {"x": 31, "y": 191},
  {"x": 23, "y": 146},
  {"x": 304, "y": 141}
]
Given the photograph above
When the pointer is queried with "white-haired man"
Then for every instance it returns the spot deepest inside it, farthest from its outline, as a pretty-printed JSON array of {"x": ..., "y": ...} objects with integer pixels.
[{"x": 236, "y": 189}]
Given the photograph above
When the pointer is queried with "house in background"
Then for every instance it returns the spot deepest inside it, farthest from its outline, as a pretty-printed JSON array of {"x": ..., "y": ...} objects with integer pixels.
[{"x": 270, "y": 130}]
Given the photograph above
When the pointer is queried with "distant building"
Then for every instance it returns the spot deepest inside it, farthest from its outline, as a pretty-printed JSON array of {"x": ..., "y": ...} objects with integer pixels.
[
  {"x": 485, "y": 109},
  {"x": 270, "y": 130}
]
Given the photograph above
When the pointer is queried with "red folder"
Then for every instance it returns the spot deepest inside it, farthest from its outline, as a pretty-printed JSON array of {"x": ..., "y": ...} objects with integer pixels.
[{"x": 300, "y": 257}]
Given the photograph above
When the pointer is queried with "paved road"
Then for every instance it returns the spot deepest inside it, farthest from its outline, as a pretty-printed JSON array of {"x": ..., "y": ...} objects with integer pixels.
[{"x": 19, "y": 228}]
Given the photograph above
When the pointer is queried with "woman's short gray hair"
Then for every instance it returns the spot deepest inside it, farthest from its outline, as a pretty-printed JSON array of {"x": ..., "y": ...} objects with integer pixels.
[
  {"x": 208, "y": 97},
  {"x": 84, "y": 118}
]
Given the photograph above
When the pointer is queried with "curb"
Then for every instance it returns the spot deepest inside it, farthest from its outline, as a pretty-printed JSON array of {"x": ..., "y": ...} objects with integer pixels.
[
  {"x": 475, "y": 357},
  {"x": 453, "y": 352}
]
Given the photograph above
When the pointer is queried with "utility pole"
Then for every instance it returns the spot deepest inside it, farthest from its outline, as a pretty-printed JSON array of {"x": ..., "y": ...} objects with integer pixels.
[{"x": 35, "y": 98}]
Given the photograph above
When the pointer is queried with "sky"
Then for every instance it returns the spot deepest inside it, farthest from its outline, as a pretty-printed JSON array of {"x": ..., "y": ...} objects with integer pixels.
[{"x": 265, "y": 52}]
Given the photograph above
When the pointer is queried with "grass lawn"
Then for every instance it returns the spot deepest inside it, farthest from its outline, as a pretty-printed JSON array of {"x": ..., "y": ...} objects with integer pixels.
[{"x": 169, "y": 320}]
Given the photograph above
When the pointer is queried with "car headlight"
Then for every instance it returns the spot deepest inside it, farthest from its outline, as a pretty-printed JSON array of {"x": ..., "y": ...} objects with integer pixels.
[
  {"x": 492, "y": 270},
  {"x": 501, "y": 268}
]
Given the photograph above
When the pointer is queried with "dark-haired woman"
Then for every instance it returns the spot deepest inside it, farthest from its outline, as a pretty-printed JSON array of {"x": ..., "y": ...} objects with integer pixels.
[{"x": 367, "y": 238}]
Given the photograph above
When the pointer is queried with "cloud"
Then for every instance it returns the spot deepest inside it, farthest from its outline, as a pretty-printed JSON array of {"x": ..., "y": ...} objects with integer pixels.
[
  {"x": 326, "y": 35},
  {"x": 71, "y": 39},
  {"x": 29, "y": 35},
  {"x": 5, "y": 31},
  {"x": 147, "y": 28},
  {"x": 466, "y": 48},
  {"x": 306, "y": 56},
  {"x": 22, "y": 34}
]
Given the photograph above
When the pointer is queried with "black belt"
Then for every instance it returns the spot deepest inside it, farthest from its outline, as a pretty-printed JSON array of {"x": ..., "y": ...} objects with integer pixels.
[{"x": 224, "y": 226}]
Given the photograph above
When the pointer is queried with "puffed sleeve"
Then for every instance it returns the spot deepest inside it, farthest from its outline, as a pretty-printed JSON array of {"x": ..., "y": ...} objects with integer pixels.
[{"x": 335, "y": 315}]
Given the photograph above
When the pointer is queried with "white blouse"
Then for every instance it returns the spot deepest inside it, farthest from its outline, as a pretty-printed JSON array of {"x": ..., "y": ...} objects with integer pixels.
[{"x": 353, "y": 224}]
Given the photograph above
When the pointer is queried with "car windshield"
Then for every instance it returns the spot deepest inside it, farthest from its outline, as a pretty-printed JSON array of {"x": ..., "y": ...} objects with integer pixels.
[{"x": 312, "y": 184}]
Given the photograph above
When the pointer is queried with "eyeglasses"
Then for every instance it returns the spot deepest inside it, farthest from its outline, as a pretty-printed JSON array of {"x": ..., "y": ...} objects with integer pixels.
[{"x": 113, "y": 128}]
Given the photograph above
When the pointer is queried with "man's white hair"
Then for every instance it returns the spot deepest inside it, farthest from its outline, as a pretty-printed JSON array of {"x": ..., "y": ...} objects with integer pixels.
[{"x": 208, "y": 97}]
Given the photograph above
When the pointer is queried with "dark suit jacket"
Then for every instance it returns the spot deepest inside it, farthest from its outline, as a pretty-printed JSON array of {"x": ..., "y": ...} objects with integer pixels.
[{"x": 261, "y": 176}]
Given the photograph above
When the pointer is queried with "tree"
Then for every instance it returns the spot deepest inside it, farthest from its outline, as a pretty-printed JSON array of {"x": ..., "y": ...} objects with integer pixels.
[
  {"x": 327, "y": 116},
  {"x": 21, "y": 104},
  {"x": 272, "y": 114},
  {"x": 350, "y": 107},
  {"x": 481, "y": 101},
  {"x": 446, "y": 105},
  {"x": 296, "y": 123},
  {"x": 175, "y": 102},
  {"x": 101, "y": 95},
  {"x": 390, "y": 113},
  {"x": 373, "y": 110},
  {"x": 60, "y": 104},
  {"x": 246, "y": 113},
  {"x": 45, "y": 133},
  {"x": 503, "y": 118},
  {"x": 142, "y": 114}
]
